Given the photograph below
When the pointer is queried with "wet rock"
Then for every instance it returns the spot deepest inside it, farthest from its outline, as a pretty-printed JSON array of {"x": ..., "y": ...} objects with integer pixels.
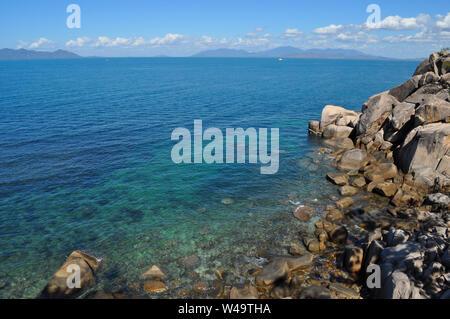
[
  {"x": 314, "y": 245},
  {"x": 201, "y": 287},
  {"x": 345, "y": 203},
  {"x": 359, "y": 182},
  {"x": 227, "y": 201},
  {"x": 353, "y": 258},
  {"x": 338, "y": 235},
  {"x": 281, "y": 291},
  {"x": 338, "y": 179},
  {"x": 294, "y": 263},
  {"x": 155, "y": 273},
  {"x": 314, "y": 128},
  {"x": 342, "y": 291},
  {"x": 274, "y": 271},
  {"x": 315, "y": 292},
  {"x": 386, "y": 189},
  {"x": 155, "y": 287},
  {"x": 297, "y": 250},
  {"x": 334, "y": 216},
  {"x": 352, "y": 159},
  {"x": 245, "y": 292},
  {"x": 189, "y": 262},
  {"x": 303, "y": 213},
  {"x": 58, "y": 286},
  {"x": 348, "y": 190}
]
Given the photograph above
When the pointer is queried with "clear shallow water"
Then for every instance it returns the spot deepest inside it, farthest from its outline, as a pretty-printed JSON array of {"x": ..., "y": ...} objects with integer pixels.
[{"x": 85, "y": 161}]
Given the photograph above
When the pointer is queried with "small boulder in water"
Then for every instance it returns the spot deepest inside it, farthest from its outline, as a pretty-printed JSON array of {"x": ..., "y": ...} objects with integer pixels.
[
  {"x": 154, "y": 272},
  {"x": 227, "y": 201},
  {"x": 155, "y": 287},
  {"x": 59, "y": 287},
  {"x": 303, "y": 213}
]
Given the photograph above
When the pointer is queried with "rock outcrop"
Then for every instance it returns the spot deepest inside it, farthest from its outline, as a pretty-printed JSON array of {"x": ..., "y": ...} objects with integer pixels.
[{"x": 401, "y": 137}]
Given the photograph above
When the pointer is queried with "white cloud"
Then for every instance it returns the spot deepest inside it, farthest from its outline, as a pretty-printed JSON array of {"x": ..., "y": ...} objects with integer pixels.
[
  {"x": 169, "y": 38},
  {"x": 397, "y": 23},
  {"x": 331, "y": 29},
  {"x": 292, "y": 33},
  {"x": 39, "y": 43},
  {"x": 443, "y": 23},
  {"x": 259, "y": 29},
  {"x": 78, "y": 42}
]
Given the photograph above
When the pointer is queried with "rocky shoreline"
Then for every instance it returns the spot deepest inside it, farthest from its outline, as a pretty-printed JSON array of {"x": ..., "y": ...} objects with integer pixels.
[{"x": 398, "y": 148}]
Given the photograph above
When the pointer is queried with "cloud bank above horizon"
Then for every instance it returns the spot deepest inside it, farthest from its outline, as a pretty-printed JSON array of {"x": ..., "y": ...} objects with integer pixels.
[{"x": 394, "y": 36}]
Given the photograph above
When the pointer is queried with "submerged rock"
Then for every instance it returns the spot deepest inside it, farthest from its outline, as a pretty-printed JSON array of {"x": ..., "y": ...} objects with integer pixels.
[
  {"x": 345, "y": 203},
  {"x": 348, "y": 190},
  {"x": 227, "y": 201},
  {"x": 155, "y": 272},
  {"x": 272, "y": 272},
  {"x": 155, "y": 287},
  {"x": 245, "y": 292},
  {"x": 303, "y": 213}
]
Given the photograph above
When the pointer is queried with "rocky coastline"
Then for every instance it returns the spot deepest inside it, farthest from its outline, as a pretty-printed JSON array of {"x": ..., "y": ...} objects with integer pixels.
[{"x": 397, "y": 147}]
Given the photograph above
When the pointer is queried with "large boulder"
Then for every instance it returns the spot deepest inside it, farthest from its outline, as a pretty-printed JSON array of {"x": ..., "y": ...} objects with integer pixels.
[
  {"x": 401, "y": 114},
  {"x": 424, "y": 67},
  {"x": 352, "y": 160},
  {"x": 381, "y": 172},
  {"x": 375, "y": 112},
  {"x": 63, "y": 283},
  {"x": 334, "y": 131},
  {"x": 340, "y": 143},
  {"x": 404, "y": 90},
  {"x": 332, "y": 114},
  {"x": 432, "y": 110},
  {"x": 425, "y": 153}
]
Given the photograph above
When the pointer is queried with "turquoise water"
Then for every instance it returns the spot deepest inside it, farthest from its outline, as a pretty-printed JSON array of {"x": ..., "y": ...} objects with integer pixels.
[{"x": 85, "y": 161}]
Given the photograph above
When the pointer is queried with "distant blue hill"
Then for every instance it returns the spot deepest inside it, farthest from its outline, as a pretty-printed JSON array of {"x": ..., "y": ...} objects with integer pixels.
[
  {"x": 288, "y": 52},
  {"x": 22, "y": 54}
]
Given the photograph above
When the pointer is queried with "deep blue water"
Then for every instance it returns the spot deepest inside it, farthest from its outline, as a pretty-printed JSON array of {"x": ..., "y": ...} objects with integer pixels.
[{"x": 85, "y": 159}]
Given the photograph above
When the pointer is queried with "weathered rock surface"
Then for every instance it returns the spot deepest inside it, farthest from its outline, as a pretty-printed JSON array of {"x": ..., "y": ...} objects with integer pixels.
[
  {"x": 338, "y": 179},
  {"x": 352, "y": 159},
  {"x": 338, "y": 115}
]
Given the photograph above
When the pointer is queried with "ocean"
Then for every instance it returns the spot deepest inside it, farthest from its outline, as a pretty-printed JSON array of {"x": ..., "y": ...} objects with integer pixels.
[{"x": 85, "y": 162}]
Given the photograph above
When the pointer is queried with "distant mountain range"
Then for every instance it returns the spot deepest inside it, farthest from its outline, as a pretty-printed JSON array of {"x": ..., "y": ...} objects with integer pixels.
[
  {"x": 22, "y": 54},
  {"x": 280, "y": 52},
  {"x": 288, "y": 52}
]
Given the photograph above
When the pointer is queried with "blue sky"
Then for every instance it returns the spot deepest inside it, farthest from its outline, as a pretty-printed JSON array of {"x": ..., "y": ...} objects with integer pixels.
[{"x": 407, "y": 29}]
